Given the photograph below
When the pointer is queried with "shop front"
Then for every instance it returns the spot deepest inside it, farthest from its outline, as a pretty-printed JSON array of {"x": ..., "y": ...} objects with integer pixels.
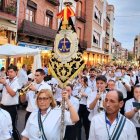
[
  {"x": 8, "y": 32},
  {"x": 93, "y": 58},
  {"x": 45, "y": 54}
]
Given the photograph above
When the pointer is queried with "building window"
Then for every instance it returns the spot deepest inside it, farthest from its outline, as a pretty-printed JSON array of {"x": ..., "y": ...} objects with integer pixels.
[
  {"x": 97, "y": 15},
  {"x": 1, "y": 4},
  {"x": 48, "y": 21},
  {"x": 96, "y": 38},
  {"x": 49, "y": 18},
  {"x": 79, "y": 9},
  {"x": 79, "y": 33},
  {"x": 30, "y": 14}
]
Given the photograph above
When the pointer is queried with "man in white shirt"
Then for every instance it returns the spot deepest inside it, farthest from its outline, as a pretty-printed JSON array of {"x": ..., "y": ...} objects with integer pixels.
[
  {"x": 123, "y": 85},
  {"x": 111, "y": 85},
  {"x": 5, "y": 125},
  {"x": 92, "y": 79},
  {"x": 111, "y": 124},
  {"x": 57, "y": 91},
  {"x": 10, "y": 96},
  {"x": 30, "y": 96}
]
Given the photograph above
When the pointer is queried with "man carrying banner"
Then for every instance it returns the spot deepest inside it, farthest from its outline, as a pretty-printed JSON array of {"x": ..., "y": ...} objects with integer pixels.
[{"x": 111, "y": 125}]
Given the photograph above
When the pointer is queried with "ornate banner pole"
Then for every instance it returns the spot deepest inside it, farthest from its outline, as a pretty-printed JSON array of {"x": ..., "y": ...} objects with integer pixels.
[{"x": 66, "y": 61}]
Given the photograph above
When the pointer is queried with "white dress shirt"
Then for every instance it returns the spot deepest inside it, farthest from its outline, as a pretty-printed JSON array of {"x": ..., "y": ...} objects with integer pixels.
[
  {"x": 75, "y": 102},
  {"x": 5, "y": 125},
  {"x": 22, "y": 77},
  {"x": 51, "y": 125},
  {"x": 129, "y": 107},
  {"x": 87, "y": 91},
  {"x": 92, "y": 84},
  {"x": 121, "y": 87},
  {"x": 90, "y": 99},
  {"x": 98, "y": 129},
  {"x": 58, "y": 90},
  {"x": 31, "y": 97},
  {"x": 7, "y": 99}
]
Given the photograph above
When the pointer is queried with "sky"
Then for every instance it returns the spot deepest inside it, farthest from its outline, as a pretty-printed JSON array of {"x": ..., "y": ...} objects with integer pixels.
[{"x": 127, "y": 21}]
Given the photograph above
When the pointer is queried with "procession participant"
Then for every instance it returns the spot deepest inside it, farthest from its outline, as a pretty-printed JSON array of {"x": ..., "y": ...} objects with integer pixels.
[
  {"x": 132, "y": 77},
  {"x": 34, "y": 87},
  {"x": 85, "y": 72},
  {"x": 132, "y": 112},
  {"x": 111, "y": 125},
  {"x": 95, "y": 100},
  {"x": 111, "y": 75},
  {"x": 92, "y": 79},
  {"x": 70, "y": 133},
  {"x": 45, "y": 123},
  {"x": 53, "y": 82},
  {"x": 103, "y": 71},
  {"x": 133, "y": 81},
  {"x": 84, "y": 92},
  {"x": 2, "y": 72},
  {"x": 45, "y": 69},
  {"x": 99, "y": 72},
  {"x": 111, "y": 85},
  {"x": 5, "y": 125},
  {"x": 22, "y": 75},
  {"x": 10, "y": 96}
]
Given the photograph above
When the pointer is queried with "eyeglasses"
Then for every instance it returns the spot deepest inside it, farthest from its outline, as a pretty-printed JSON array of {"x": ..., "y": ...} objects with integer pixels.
[
  {"x": 37, "y": 75},
  {"x": 43, "y": 99}
]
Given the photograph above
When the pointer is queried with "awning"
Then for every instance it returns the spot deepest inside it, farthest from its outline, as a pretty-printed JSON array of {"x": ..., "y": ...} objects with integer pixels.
[
  {"x": 7, "y": 26},
  {"x": 34, "y": 46},
  {"x": 96, "y": 51}
]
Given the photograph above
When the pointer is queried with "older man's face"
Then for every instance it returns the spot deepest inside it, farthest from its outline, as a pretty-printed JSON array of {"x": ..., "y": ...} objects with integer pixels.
[{"x": 112, "y": 103}]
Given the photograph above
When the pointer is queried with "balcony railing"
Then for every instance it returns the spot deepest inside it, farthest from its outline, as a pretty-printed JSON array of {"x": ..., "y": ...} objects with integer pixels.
[
  {"x": 54, "y": 2},
  {"x": 36, "y": 30},
  {"x": 81, "y": 16}
]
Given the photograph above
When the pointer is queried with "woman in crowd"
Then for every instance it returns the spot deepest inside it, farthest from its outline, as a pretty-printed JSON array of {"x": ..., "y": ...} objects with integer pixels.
[
  {"x": 45, "y": 124},
  {"x": 133, "y": 113}
]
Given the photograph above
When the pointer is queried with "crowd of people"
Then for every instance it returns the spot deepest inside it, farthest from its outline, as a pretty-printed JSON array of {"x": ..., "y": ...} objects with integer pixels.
[{"x": 104, "y": 100}]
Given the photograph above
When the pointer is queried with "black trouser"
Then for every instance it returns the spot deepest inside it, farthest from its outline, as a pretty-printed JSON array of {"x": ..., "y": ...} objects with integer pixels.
[
  {"x": 138, "y": 132},
  {"x": 12, "y": 109},
  {"x": 84, "y": 121},
  {"x": 27, "y": 116},
  {"x": 70, "y": 133}
]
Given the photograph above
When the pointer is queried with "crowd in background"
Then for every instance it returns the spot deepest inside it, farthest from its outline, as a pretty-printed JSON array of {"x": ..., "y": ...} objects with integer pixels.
[{"x": 96, "y": 100}]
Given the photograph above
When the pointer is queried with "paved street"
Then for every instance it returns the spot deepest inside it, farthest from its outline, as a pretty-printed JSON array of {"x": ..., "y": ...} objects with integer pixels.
[{"x": 21, "y": 117}]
